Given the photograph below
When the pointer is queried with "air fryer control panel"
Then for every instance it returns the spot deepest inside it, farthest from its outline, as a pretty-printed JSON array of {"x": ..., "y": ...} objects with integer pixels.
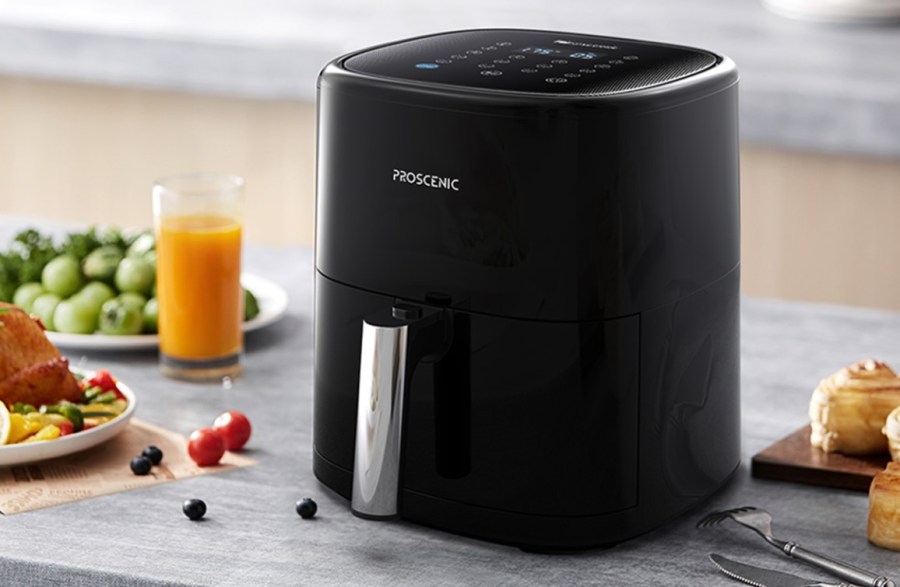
[{"x": 532, "y": 61}]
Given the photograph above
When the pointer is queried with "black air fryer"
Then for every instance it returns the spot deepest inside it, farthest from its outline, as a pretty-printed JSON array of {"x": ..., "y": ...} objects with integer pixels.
[{"x": 527, "y": 269}]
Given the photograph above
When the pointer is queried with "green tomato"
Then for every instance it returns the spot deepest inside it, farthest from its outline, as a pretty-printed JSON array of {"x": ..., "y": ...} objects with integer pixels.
[
  {"x": 44, "y": 306},
  {"x": 120, "y": 319},
  {"x": 141, "y": 245},
  {"x": 94, "y": 294},
  {"x": 62, "y": 276},
  {"x": 133, "y": 300},
  {"x": 134, "y": 274},
  {"x": 75, "y": 316},
  {"x": 151, "y": 315},
  {"x": 101, "y": 263},
  {"x": 26, "y": 294},
  {"x": 150, "y": 257},
  {"x": 251, "y": 305}
]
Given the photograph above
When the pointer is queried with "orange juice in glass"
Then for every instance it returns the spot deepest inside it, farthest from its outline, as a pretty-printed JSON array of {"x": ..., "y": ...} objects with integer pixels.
[{"x": 198, "y": 275}]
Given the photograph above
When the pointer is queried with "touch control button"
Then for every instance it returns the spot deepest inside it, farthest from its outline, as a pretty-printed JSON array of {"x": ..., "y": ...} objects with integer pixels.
[
  {"x": 427, "y": 66},
  {"x": 492, "y": 72},
  {"x": 556, "y": 80}
]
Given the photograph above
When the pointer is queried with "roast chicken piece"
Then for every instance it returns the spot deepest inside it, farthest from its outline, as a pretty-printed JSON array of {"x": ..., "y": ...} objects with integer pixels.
[
  {"x": 884, "y": 508},
  {"x": 31, "y": 368},
  {"x": 849, "y": 408}
]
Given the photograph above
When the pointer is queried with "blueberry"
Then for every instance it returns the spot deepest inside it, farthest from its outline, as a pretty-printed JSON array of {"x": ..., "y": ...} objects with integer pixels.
[
  {"x": 307, "y": 508},
  {"x": 154, "y": 454},
  {"x": 141, "y": 465},
  {"x": 194, "y": 508}
]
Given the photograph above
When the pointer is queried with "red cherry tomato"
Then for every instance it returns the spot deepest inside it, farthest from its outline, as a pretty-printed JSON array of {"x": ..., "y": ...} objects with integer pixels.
[
  {"x": 105, "y": 381},
  {"x": 235, "y": 429},
  {"x": 206, "y": 447},
  {"x": 65, "y": 428}
]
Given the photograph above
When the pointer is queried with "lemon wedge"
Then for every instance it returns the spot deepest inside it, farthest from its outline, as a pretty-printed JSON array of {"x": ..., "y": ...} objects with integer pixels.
[{"x": 5, "y": 424}]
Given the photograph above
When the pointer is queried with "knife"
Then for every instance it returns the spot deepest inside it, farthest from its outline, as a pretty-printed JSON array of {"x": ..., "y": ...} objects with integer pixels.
[{"x": 760, "y": 577}]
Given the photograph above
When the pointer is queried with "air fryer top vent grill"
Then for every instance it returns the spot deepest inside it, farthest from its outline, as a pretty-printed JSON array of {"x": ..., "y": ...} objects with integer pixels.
[{"x": 532, "y": 61}]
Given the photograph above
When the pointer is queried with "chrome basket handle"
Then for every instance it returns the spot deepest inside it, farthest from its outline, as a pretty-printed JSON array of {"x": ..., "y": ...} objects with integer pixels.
[{"x": 391, "y": 347}]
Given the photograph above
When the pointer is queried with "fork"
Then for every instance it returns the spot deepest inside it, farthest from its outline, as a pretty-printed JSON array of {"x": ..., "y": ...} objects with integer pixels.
[{"x": 760, "y": 521}]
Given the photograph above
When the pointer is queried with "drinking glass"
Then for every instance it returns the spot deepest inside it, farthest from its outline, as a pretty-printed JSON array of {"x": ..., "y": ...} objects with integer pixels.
[{"x": 198, "y": 221}]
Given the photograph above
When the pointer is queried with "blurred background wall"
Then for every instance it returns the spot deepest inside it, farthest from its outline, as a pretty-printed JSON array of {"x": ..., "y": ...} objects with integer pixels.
[{"x": 98, "y": 98}]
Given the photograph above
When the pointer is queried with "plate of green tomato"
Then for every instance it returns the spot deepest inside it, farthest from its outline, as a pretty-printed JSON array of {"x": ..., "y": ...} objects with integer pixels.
[
  {"x": 96, "y": 290},
  {"x": 270, "y": 298}
]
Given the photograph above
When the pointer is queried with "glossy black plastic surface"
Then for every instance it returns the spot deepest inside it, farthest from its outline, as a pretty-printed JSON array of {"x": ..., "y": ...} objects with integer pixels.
[
  {"x": 550, "y": 409},
  {"x": 587, "y": 249},
  {"x": 570, "y": 435},
  {"x": 532, "y": 61},
  {"x": 559, "y": 212}
]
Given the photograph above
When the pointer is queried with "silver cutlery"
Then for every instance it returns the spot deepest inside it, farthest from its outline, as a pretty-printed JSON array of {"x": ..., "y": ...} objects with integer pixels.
[
  {"x": 761, "y": 577},
  {"x": 760, "y": 521}
]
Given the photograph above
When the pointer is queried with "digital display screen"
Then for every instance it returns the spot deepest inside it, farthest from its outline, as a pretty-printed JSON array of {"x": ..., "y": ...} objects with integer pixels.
[
  {"x": 540, "y": 51},
  {"x": 587, "y": 55}
]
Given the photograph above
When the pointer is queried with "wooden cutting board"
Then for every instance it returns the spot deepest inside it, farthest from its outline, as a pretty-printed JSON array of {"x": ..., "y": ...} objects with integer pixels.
[{"x": 793, "y": 459}]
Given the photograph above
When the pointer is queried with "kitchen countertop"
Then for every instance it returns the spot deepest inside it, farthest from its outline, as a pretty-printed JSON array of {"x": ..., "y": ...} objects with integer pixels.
[
  {"x": 252, "y": 536},
  {"x": 823, "y": 88}
]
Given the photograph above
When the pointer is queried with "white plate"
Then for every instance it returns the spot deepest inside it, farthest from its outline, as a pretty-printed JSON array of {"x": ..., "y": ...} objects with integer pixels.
[
  {"x": 272, "y": 298},
  {"x": 17, "y": 454}
]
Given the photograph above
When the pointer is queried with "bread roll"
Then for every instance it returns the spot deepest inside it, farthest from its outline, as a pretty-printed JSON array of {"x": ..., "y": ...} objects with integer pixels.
[
  {"x": 884, "y": 508},
  {"x": 892, "y": 432},
  {"x": 848, "y": 409}
]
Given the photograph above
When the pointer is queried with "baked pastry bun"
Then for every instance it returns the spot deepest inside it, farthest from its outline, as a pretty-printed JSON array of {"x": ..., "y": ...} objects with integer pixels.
[
  {"x": 892, "y": 432},
  {"x": 884, "y": 508},
  {"x": 848, "y": 409}
]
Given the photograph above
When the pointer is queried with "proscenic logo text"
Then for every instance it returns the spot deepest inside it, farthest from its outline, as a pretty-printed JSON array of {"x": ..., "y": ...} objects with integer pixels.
[
  {"x": 588, "y": 45},
  {"x": 427, "y": 180}
]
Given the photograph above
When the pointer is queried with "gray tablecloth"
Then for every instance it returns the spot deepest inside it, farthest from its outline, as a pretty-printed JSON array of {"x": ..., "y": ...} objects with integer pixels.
[{"x": 252, "y": 535}]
